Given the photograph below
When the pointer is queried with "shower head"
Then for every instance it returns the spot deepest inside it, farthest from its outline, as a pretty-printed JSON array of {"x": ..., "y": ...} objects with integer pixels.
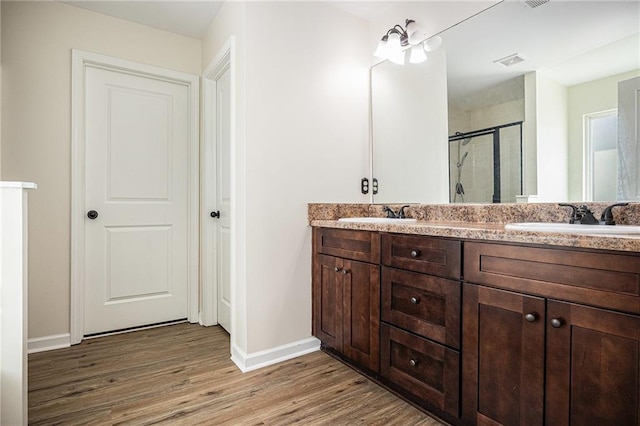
[{"x": 466, "y": 141}]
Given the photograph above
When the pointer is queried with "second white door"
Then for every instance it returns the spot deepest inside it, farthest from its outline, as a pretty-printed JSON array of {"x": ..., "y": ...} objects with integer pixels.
[
  {"x": 136, "y": 199},
  {"x": 223, "y": 198}
]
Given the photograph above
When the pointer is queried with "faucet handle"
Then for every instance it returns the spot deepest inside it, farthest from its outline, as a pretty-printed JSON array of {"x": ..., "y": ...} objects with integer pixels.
[
  {"x": 607, "y": 214},
  {"x": 574, "y": 212},
  {"x": 401, "y": 213}
]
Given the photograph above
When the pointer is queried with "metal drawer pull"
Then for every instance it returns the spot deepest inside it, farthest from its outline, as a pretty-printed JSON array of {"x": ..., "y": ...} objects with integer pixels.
[
  {"x": 415, "y": 253},
  {"x": 556, "y": 323},
  {"x": 415, "y": 300},
  {"x": 531, "y": 317},
  {"x": 414, "y": 362},
  {"x": 345, "y": 271},
  {"x": 336, "y": 269}
]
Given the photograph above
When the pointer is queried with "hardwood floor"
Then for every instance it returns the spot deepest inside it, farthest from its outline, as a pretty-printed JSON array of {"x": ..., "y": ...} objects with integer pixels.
[{"x": 182, "y": 375}]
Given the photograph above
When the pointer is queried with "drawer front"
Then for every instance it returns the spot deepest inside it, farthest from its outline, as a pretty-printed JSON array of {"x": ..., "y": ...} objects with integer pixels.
[
  {"x": 423, "y": 304},
  {"x": 426, "y": 369},
  {"x": 422, "y": 254},
  {"x": 595, "y": 278},
  {"x": 348, "y": 244}
]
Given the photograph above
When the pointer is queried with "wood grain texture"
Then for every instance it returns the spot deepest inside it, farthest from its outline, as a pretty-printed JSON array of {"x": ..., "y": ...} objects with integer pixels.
[{"x": 182, "y": 375}]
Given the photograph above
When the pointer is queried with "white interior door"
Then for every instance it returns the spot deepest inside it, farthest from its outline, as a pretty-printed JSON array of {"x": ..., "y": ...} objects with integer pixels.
[
  {"x": 223, "y": 198},
  {"x": 136, "y": 179}
]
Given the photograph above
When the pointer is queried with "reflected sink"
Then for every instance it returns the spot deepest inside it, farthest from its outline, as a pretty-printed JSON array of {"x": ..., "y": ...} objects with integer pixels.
[
  {"x": 375, "y": 220},
  {"x": 567, "y": 228}
]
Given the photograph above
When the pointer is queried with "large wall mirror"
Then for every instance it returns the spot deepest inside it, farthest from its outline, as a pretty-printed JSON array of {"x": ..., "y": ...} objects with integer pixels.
[{"x": 520, "y": 103}]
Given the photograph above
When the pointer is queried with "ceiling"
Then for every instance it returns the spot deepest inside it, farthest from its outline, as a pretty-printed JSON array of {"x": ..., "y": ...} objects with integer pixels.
[{"x": 189, "y": 18}]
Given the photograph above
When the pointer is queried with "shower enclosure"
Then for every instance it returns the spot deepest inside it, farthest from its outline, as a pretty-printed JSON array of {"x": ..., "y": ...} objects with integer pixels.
[{"x": 485, "y": 166}]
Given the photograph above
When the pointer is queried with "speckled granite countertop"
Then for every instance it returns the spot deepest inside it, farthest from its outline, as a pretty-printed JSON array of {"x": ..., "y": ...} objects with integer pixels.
[{"x": 482, "y": 222}]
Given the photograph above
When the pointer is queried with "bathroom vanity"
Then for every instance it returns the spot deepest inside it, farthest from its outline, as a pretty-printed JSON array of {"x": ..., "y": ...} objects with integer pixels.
[{"x": 478, "y": 325}]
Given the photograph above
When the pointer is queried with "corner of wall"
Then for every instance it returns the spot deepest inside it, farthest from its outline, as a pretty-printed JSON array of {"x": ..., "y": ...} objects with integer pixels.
[{"x": 253, "y": 361}]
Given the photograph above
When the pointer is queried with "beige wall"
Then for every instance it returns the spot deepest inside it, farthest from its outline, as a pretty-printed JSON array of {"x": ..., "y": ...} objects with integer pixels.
[{"x": 37, "y": 38}]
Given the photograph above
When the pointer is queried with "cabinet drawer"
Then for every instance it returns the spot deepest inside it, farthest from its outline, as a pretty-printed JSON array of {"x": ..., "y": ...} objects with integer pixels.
[
  {"x": 602, "y": 279},
  {"x": 423, "y": 304},
  {"x": 422, "y": 254},
  {"x": 427, "y": 370},
  {"x": 348, "y": 244}
]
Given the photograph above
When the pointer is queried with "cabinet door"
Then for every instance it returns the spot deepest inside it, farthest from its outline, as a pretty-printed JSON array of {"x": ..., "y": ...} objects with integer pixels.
[
  {"x": 327, "y": 300},
  {"x": 593, "y": 366},
  {"x": 361, "y": 313},
  {"x": 503, "y": 357}
]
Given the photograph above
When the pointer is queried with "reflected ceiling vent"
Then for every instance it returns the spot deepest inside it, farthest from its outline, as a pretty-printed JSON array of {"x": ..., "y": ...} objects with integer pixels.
[
  {"x": 534, "y": 3},
  {"x": 511, "y": 60}
]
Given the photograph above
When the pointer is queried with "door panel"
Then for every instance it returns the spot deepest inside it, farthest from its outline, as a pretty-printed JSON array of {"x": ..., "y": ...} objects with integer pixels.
[
  {"x": 137, "y": 180},
  {"x": 327, "y": 300},
  {"x": 361, "y": 307},
  {"x": 593, "y": 366},
  {"x": 503, "y": 360},
  {"x": 139, "y": 262}
]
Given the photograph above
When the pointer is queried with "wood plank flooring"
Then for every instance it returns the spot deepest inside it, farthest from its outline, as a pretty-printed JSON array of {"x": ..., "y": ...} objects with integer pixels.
[{"x": 182, "y": 375}]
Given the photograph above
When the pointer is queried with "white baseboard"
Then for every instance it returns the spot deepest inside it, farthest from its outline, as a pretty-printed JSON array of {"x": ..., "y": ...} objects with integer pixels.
[
  {"x": 48, "y": 343},
  {"x": 249, "y": 362}
]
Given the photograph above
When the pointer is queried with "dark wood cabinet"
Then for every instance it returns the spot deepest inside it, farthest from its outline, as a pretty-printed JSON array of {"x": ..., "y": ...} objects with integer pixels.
[
  {"x": 503, "y": 357},
  {"x": 346, "y": 301},
  {"x": 529, "y": 359},
  {"x": 420, "y": 331},
  {"x": 593, "y": 366},
  {"x": 484, "y": 333}
]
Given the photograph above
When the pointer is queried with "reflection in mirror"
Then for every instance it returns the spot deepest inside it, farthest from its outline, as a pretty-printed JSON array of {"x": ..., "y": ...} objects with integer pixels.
[
  {"x": 485, "y": 166},
  {"x": 570, "y": 57},
  {"x": 408, "y": 111}
]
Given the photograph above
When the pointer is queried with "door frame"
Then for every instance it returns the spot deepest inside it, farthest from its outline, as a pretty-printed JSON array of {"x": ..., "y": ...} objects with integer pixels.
[
  {"x": 82, "y": 59},
  {"x": 223, "y": 61}
]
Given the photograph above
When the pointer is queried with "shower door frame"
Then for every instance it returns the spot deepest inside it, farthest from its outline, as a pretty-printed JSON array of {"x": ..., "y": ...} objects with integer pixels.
[{"x": 495, "y": 131}]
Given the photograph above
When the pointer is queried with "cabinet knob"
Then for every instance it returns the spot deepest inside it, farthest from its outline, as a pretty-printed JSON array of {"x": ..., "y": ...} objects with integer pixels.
[
  {"x": 336, "y": 269},
  {"x": 556, "y": 322},
  {"x": 531, "y": 317},
  {"x": 415, "y": 300},
  {"x": 415, "y": 253},
  {"x": 413, "y": 362},
  {"x": 345, "y": 271}
]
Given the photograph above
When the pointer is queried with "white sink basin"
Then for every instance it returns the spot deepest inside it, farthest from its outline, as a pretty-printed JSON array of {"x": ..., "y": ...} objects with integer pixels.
[
  {"x": 568, "y": 228},
  {"x": 375, "y": 220}
]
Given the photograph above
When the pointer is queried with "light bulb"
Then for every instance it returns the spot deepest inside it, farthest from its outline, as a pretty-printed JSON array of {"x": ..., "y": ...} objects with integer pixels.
[
  {"x": 417, "y": 54},
  {"x": 382, "y": 51},
  {"x": 416, "y": 32},
  {"x": 393, "y": 44},
  {"x": 398, "y": 57},
  {"x": 433, "y": 43}
]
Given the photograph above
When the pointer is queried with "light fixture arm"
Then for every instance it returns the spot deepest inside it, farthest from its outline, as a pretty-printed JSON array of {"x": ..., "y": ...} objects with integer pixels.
[{"x": 398, "y": 38}]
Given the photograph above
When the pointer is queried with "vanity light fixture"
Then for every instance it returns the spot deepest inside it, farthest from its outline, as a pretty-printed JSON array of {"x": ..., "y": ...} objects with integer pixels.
[{"x": 398, "y": 39}]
